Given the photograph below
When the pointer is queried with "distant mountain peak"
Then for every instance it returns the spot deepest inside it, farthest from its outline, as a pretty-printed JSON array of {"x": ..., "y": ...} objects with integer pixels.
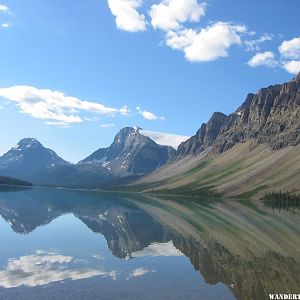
[
  {"x": 28, "y": 143},
  {"x": 131, "y": 153},
  {"x": 130, "y": 130},
  {"x": 27, "y": 157},
  {"x": 29, "y": 140},
  {"x": 137, "y": 128}
]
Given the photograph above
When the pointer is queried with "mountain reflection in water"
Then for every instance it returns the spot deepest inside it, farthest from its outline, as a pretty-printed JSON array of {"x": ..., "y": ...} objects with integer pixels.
[{"x": 249, "y": 249}]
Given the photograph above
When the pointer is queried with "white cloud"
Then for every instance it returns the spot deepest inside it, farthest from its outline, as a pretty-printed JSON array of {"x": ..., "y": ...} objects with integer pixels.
[
  {"x": 289, "y": 59},
  {"x": 54, "y": 105},
  {"x": 125, "y": 110},
  {"x": 43, "y": 268},
  {"x": 166, "y": 139},
  {"x": 170, "y": 14},
  {"x": 254, "y": 45},
  {"x": 107, "y": 125},
  {"x": 292, "y": 67},
  {"x": 5, "y": 25},
  {"x": 148, "y": 115},
  {"x": 127, "y": 16},
  {"x": 92, "y": 119},
  {"x": 4, "y": 8},
  {"x": 98, "y": 257},
  {"x": 290, "y": 49},
  {"x": 158, "y": 249},
  {"x": 180, "y": 40},
  {"x": 57, "y": 123},
  {"x": 209, "y": 43},
  {"x": 266, "y": 59},
  {"x": 139, "y": 272}
]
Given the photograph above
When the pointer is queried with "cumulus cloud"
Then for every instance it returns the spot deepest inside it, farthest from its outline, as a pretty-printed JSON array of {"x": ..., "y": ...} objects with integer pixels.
[
  {"x": 43, "y": 268},
  {"x": 292, "y": 67},
  {"x": 290, "y": 49},
  {"x": 54, "y": 106},
  {"x": 127, "y": 16},
  {"x": 266, "y": 59},
  {"x": 290, "y": 54},
  {"x": 148, "y": 115},
  {"x": 4, "y": 8},
  {"x": 166, "y": 139},
  {"x": 202, "y": 45},
  {"x": 254, "y": 45},
  {"x": 170, "y": 14},
  {"x": 209, "y": 43},
  {"x": 5, "y": 25},
  {"x": 288, "y": 59},
  {"x": 107, "y": 125}
]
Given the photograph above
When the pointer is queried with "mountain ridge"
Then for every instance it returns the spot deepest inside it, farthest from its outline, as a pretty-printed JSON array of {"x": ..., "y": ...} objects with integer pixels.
[
  {"x": 271, "y": 116},
  {"x": 263, "y": 132},
  {"x": 131, "y": 154}
]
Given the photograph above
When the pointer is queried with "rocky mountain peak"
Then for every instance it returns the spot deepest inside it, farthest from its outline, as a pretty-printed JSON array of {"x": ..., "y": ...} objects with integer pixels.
[
  {"x": 131, "y": 153},
  {"x": 126, "y": 134},
  {"x": 27, "y": 143},
  {"x": 204, "y": 137},
  {"x": 271, "y": 116}
]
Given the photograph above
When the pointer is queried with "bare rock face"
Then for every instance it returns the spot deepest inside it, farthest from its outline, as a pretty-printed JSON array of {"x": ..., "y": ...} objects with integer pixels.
[
  {"x": 131, "y": 153},
  {"x": 205, "y": 136},
  {"x": 272, "y": 117}
]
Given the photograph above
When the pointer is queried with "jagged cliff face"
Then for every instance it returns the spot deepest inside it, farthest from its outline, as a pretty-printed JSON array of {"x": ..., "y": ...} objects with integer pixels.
[
  {"x": 272, "y": 117},
  {"x": 131, "y": 153},
  {"x": 204, "y": 138}
]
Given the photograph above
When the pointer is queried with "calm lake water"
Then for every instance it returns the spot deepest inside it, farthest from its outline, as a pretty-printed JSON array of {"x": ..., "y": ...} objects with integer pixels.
[{"x": 59, "y": 244}]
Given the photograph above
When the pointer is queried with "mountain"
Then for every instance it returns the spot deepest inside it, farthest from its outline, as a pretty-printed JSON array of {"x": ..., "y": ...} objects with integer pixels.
[
  {"x": 31, "y": 161},
  {"x": 130, "y": 154},
  {"x": 249, "y": 152},
  {"x": 272, "y": 117},
  {"x": 252, "y": 150},
  {"x": 28, "y": 158}
]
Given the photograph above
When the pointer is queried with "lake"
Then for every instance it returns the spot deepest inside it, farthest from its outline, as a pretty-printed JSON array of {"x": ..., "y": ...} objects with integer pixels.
[{"x": 62, "y": 244}]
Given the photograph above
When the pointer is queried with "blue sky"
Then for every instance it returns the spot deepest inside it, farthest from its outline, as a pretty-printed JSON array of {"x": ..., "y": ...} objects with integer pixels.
[{"x": 72, "y": 73}]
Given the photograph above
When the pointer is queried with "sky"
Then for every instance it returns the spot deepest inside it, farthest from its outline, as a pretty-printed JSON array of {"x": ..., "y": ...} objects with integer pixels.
[{"x": 73, "y": 73}]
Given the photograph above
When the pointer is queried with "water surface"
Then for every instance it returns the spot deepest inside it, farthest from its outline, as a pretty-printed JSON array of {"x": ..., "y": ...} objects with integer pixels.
[{"x": 60, "y": 244}]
